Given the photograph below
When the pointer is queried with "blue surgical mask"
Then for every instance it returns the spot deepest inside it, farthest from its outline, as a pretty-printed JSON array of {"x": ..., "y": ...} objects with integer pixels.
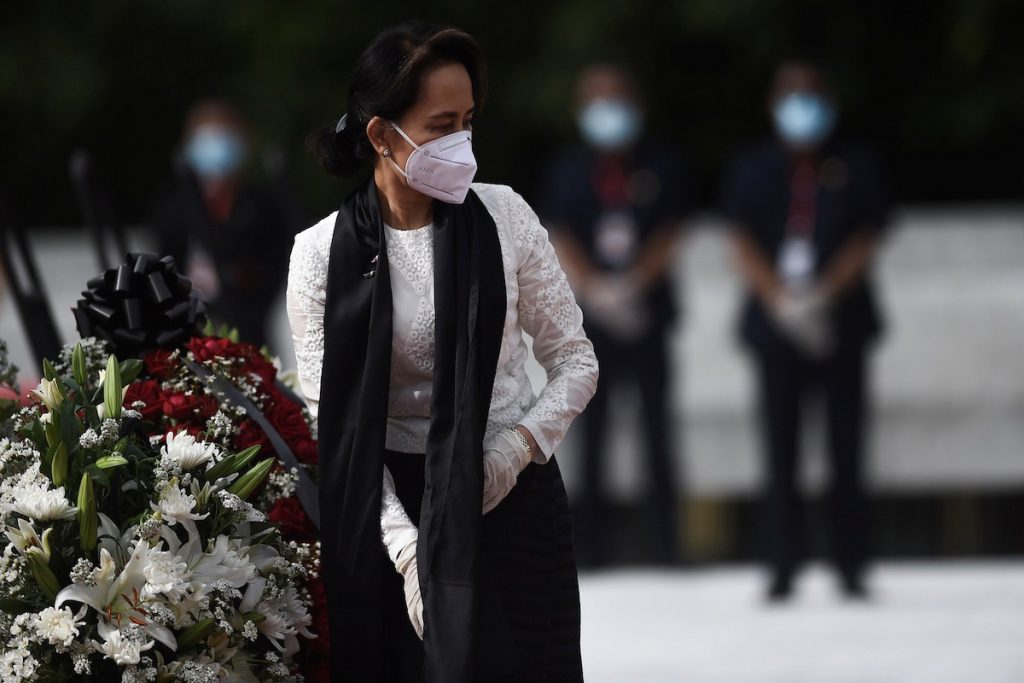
[
  {"x": 804, "y": 119},
  {"x": 609, "y": 123},
  {"x": 215, "y": 152}
]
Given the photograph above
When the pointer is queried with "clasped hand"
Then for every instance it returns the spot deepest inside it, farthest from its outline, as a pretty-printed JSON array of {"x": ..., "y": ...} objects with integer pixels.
[
  {"x": 616, "y": 304},
  {"x": 802, "y": 314}
]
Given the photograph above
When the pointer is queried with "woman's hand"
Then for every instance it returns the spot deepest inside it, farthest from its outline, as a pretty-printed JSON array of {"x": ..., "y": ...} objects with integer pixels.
[
  {"x": 505, "y": 456},
  {"x": 406, "y": 566}
]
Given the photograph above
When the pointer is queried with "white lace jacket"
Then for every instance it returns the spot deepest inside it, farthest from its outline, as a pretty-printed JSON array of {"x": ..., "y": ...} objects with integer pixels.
[{"x": 540, "y": 303}]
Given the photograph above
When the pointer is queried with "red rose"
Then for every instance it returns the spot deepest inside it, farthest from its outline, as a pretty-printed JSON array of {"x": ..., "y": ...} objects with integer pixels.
[
  {"x": 288, "y": 514},
  {"x": 159, "y": 364},
  {"x": 208, "y": 348},
  {"x": 249, "y": 434},
  {"x": 208, "y": 405},
  {"x": 180, "y": 406},
  {"x": 287, "y": 418},
  {"x": 255, "y": 362},
  {"x": 306, "y": 450},
  {"x": 150, "y": 393}
]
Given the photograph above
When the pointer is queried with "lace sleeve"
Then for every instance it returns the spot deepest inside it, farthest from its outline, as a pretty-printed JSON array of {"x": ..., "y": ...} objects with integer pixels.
[
  {"x": 548, "y": 312},
  {"x": 396, "y": 529},
  {"x": 305, "y": 298}
]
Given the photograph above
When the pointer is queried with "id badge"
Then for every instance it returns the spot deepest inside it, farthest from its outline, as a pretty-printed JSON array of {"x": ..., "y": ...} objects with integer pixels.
[
  {"x": 616, "y": 237},
  {"x": 796, "y": 259}
]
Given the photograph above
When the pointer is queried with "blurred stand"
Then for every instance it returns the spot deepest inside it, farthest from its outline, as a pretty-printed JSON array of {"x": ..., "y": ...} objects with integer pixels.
[
  {"x": 807, "y": 209},
  {"x": 229, "y": 232},
  {"x": 615, "y": 208},
  {"x": 97, "y": 208},
  {"x": 26, "y": 287}
]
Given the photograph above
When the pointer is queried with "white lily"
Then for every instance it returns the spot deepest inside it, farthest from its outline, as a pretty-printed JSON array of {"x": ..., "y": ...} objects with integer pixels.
[
  {"x": 118, "y": 544},
  {"x": 285, "y": 617},
  {"x": 117, "y": 596},
  {"x": 27, "y": 541},
  {"x": 123, "y": 649},
  {"x": 49, "y": 393}
]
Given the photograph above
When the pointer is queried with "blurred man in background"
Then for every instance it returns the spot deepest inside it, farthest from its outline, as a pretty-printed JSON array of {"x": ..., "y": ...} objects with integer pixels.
[
  {"x": 807, "y": 210},
  {"x": 615, "y": 208},
  {"x": 227, "y": 232}
]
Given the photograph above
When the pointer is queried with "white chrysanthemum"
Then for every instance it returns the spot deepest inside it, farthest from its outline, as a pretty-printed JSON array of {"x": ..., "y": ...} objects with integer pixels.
[
  {"x": 18, "y": 665},
  {"x": 166, "y": 574},
  {"x": 59, "y": 626},
  {"x": 183, "y": 449},
  {"x": 175, "y": 506},
  {"x": 39, "y": 502}
]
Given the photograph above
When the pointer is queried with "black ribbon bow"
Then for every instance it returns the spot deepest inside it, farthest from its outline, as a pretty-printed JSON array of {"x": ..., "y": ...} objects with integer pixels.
[{"x": 142, "y": 303}]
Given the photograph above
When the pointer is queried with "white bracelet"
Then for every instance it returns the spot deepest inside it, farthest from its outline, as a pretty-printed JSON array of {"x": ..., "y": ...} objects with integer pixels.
[{"x": 523, "y": 440}]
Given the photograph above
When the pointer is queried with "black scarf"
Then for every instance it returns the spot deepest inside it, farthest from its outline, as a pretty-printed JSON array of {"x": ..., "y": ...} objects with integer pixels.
[{"x": 469, "y": 289}]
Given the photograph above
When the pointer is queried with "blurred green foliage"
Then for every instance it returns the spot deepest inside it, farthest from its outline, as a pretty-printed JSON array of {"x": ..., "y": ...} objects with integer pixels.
[{"x": 936, "y": 85}]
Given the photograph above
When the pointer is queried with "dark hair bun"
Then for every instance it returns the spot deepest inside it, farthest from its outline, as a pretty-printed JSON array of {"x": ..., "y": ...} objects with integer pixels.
[{"x": 386, "y": 82}]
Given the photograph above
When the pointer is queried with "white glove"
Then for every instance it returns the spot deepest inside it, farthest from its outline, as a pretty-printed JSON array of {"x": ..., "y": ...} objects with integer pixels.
[
  {"x": 406, "y": 566},
  {"x": 614, "y": 301},
  {"x": 802, "y": 315},
  {"x": 505, "y": 456}
]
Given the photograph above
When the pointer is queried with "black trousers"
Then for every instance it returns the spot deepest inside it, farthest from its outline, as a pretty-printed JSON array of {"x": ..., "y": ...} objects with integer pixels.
[
  {"x": 645, "y": 364},
  {"x": 786, "y": 378},
  {"x": 527, "y": 545}
]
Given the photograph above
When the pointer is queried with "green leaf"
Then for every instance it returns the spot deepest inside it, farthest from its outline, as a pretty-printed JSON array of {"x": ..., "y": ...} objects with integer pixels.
[
  {"x": 194, "y": 633},
  {"x": 208, "y": 328},
  {"x": 71, "y": 426},
  {"x": 247, "y": 483},
  {"x": 78, "y": 364},
  {"x": 86, "y": 514},
  {"x": 52, "y": 429},
  {"x": 15, "y": 605},
  {"x": 112, "y": 388},
  {"x": 130, "y": 370},
  {"x": 36, "y": 432},
  {"x": 43, "y": 575},
  {"x": 48, "y": 370},
  {"x": 108, "y": 461},
  {"x": 98, "y": 474},
  {"x": 232, "y": 463},
  {"x": 59, "y": 465}
]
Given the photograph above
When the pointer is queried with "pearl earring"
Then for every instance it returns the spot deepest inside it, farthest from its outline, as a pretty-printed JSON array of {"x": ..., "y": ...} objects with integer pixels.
[{"x": 386, "y": 152}]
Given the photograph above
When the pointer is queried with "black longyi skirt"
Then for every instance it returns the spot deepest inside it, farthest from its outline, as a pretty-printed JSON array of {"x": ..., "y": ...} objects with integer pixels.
[{"x": 527, "y": 543}]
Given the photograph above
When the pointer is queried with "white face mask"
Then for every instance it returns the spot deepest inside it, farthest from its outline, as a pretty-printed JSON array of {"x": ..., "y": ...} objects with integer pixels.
[{"x": 442, "y": 168}]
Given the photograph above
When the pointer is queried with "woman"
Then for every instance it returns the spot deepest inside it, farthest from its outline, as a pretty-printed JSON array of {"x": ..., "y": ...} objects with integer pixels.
[{"x": 446, "y": 539}]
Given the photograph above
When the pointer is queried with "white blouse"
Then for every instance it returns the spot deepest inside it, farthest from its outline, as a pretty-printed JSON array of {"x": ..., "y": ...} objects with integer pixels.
[
  {"x": 411, "y": 261},
  {"x": 539, "y": 302}
]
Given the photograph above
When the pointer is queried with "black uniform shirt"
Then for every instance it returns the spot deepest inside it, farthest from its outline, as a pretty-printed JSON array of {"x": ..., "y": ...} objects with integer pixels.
[
  {"x": 580, "y": 196},
  {"x": 853, "y": 193}
]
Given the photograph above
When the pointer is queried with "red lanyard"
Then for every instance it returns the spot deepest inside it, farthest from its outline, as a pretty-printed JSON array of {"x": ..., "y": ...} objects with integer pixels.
[
  {"x": 803, "y": 191},
  {"x": 611, "y": 184}
]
